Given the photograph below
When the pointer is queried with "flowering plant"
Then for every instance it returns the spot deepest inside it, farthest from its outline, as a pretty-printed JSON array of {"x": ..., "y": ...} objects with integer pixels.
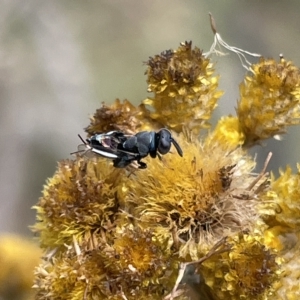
[{"x": 201, "y": 226}]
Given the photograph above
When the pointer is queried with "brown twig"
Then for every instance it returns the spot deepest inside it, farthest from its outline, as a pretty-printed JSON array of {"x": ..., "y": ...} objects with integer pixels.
[
  {"x": 85, "y": 291},
  {"x": 212, "y": 23},
  {"x": 262, "y": 173}
]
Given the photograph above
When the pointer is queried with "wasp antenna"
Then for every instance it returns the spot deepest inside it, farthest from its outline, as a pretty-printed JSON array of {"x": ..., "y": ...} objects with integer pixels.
[
  {"x": 178, "y": 148},
  {"x": 82, "y": 139}
]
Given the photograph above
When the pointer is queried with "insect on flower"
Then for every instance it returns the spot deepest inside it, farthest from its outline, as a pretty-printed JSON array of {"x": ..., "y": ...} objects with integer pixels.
[{"x": 124, "y": 149}]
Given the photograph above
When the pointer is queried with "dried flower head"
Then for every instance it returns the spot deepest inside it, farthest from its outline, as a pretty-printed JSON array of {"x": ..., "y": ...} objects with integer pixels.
[
  {"x": 269, "y": 100},
  {"x": 287, "y": 189},
  {"x": 283, "y": 231},
  {"x": 197, "y": 199},
  {"x": 247, "y": 271},
  {"x": 133, "y": 263},
  {"x": 288, "y": 286},
  {"x": 79, "y": 198},
  {"x": 185, "y": 90},
  {"x": 122, "y": 116}
]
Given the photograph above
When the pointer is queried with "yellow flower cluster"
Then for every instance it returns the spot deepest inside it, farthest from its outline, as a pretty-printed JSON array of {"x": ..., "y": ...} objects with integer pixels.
[
  {"x": 119, "y": 116},
  {"x": 123, "y": 233},
  {"x": 182, "y": 80},
  {"x": 195, "y": 197},
  {"x": 79, "y": 198},
  {"x": 18, "y": 258},
  {"x": 284, "y": 230},
  {"x": 101, "y": 267},
  {"x": 246, "y": 272},
  {"x": 270, "y": 100},
  {"x": 228, "y": 133},
  {"x": 287, "y": 189}
]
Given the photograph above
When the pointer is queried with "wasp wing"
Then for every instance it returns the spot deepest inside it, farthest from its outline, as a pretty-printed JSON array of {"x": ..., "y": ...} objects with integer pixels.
[
  {"x": 108, "y": 145},
  {"x": 105, "y": 153},
  {"x": 82, "y": 149},
  {"x": 113, "y": 143}
]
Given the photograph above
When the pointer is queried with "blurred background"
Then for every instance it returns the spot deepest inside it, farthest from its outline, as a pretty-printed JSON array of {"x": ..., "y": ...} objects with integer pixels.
[{"x": 59, "y": 60}]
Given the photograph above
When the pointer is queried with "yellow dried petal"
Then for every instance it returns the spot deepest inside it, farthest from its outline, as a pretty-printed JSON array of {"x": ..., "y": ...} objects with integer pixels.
[{"x": 228, "y": 133}]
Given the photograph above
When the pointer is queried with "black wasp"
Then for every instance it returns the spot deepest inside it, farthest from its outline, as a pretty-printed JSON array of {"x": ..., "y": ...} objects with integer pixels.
[{"x": 124, "y": 149}]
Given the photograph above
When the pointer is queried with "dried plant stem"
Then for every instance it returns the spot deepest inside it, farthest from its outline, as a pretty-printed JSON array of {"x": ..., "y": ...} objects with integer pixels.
[
  {"x": 213, "y": 251},
  {"x": 262, "y": 173}
]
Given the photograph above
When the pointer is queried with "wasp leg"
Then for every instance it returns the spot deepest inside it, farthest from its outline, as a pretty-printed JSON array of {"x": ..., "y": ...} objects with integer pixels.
[
  {"x": 119, "y": 163},
  {"x": 142, "y": 164}
]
